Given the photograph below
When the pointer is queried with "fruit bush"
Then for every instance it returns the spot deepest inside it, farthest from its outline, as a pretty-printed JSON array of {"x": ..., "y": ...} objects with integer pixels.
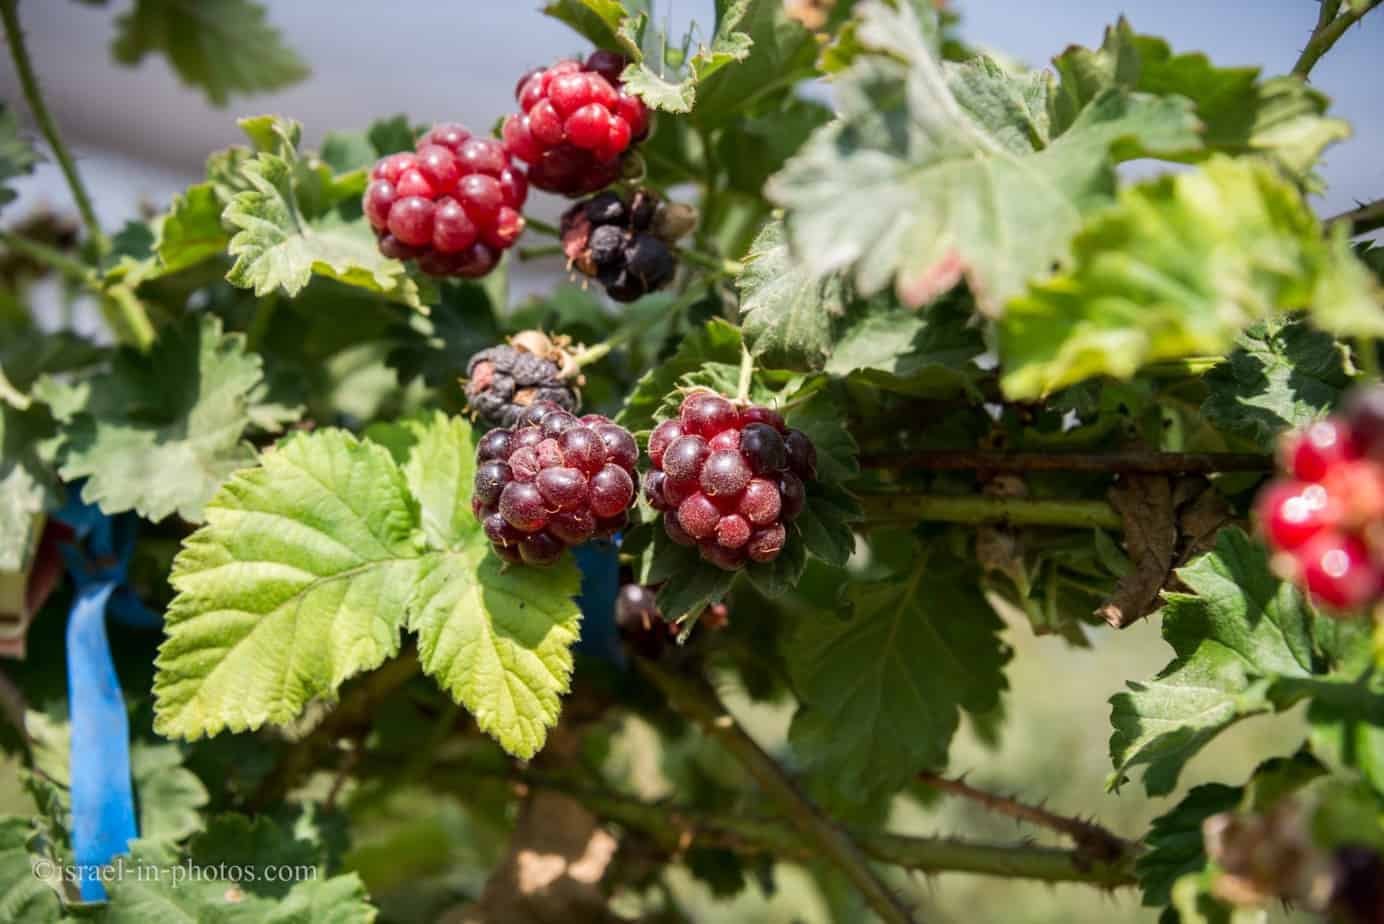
[{"x": 328, "y": 553}]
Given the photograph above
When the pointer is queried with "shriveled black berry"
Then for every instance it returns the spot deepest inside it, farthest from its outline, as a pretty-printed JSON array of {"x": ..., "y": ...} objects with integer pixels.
[
  {"x": 650, "y": 259},
  {"x": 607, "y": 244},
  {"x": 642, "y": 209},
  {"x": 606, "y": 209},
  {"x": 626, "y": 287},
  {"x": 502, "y": 381}
]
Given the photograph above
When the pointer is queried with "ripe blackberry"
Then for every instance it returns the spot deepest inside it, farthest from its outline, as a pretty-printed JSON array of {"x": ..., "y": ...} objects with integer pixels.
[
  {"x": 727, "y": 479},
  {"x": 626, "y": 246},
  {"x": 454, "y": 205},
  {"x": 577, "y": 123},
  {"x": 552, "y": 481},
  {"x": 504, "y": 381},
  {"x": 1327, "y": 519}
]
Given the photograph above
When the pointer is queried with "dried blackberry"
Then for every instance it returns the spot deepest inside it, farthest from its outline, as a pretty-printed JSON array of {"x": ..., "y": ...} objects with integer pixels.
[
  {"x": 626, "y": 246},
  {"x": 503, "y": 381}
]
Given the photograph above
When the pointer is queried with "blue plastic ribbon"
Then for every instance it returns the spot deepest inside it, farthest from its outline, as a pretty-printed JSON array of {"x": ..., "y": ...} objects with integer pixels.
[
  {"x": 599, "y": 562},
  {"x": 103, "y": 804}
]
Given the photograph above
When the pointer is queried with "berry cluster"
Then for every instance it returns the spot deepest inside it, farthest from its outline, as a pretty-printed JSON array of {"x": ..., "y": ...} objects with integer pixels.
[
  {"x": 504, "y": 381},
  {"x": 1328, "y": 517},
  {"x": 553, "y": 481},
  {"x": 727, "y": 479},
  {"x": 577, "y": 121},
  {"x": 453, "y": 205},
  {"x": 624, "y": 245}
]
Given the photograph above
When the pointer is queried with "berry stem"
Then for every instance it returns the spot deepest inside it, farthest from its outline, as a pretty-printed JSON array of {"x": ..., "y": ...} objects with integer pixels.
[
  {"x": 716, "y": 264},
  {"x": 539, "y": 253},
  {"x": 1089, "y": 836},
  {"x": 541, "y": 226},
  {"x": 1171, "y": 463},
  {"x": 742, "y": 389},
  {"x": 903, "y": 507},
  {"x": 1331, "y": 25},
  {"x": 598, "y": 351},
  {"x": 33, "y": 95},
  {"x": 695, "y": 698},
  {"x": 1367, "y": 357},
  {"x": 676, "y": 827}
]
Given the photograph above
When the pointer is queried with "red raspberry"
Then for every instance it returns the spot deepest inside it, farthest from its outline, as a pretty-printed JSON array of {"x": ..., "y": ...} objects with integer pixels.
[
  {"x": 577, "y": 122},
  {"x": 551, "y": 482},
  {"x": 453, "y": 205},
  {"x": 1330, "y": 520},
  {"x": 727, "y": 479}
]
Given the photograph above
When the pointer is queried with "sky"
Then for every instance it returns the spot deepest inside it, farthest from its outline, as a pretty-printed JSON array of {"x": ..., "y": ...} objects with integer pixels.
[{"x": 142, "y": 135}]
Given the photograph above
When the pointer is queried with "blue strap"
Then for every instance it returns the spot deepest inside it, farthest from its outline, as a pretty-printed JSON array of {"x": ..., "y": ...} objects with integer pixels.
[
  {"x": 103, "y": 805},
  {"x": 103, "y": 800},
  {"x": 599, "y": 562}
]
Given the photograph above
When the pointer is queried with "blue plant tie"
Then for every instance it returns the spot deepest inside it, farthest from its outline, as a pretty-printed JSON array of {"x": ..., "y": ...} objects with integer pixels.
[
  {"x": 599, "y": 562},
  {"x": 103, "y": 804}
]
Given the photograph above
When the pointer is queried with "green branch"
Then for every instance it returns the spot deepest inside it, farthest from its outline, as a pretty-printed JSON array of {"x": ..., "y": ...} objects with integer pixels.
[
  {"x": 695, "y": 699},
  {"x": 51, "y": 257},
  {"x": 904, "y": 507},
  {"x": 33, "y": 95},
  {"x": 1369, "y": 216},
  {"x": 1331, "y": 25}
]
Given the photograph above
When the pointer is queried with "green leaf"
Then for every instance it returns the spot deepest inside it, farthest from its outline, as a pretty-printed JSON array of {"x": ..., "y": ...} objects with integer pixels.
[
  {"x": 24, "y": 897},
  {"x": 219, "y": 46},
  {"x": 436, "y": 346},
  {"x": 938, "y": 172},
  {"x": 346, "y": 152},
  {"x": 717, "y": 341},
  {"x": 159, "y": 433},
  {"x": 27, "y": 484},
  {"x": 277, "y": 247},
  {"x": 1282, "y": 375},
  {"x": 728, "y": 46},
  {"x": 870, "y": 717},
  {"x": 17, "y": 155},
  {"x": 498, "y": 638},
  {"x": 1174, "y": 841},
  {"x": 298, "y": 581},
  {"x": 787, "y": 311},
  {"x": 928, "y": 354},
  {"x": 191, "y": 231},
  {"x": 440, "y": 470},
  {"x": 690, "y": 584},
  {"x": 1177, "y": 268},
  {"x": 170, "y": 796},
  {"x": 781, "y": 55},
  {"x": 1281, "y": 118},
  {"x": 1240, "y": 635},
  {"x": 825, "y": 523},
  {"x": 600, "y": 21}
]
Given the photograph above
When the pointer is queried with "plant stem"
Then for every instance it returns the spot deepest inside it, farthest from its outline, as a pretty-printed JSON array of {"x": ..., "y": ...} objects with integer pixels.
[
  {"x": 539, "y": 253},
  {"x": 126, "y": 317},
  {"x": 1186, "y": 367},
  {"x": 674, "y": 828},
  {"x": 259, "y": 324},
  {"x": 72, "y": 268},
  {"x": 902, "y": 507},
  {"x": 1089, "y": 836},
  {"x": 33, "y": 95},
  {"x": 598, "y": 351},
  {"x": 355, "y": 708},
  {"x": 1171, "y": 463},
  {"x": 695, "y": 698},
  {"x": 541, "y": 226},
  {"x": 1367, "y": 357},
  {"x": 1331, "y": 25},
  {"x": 1369, "y": 216},
  {"x": 717, "y": 264},
  {"x": 742, "y": 388}
]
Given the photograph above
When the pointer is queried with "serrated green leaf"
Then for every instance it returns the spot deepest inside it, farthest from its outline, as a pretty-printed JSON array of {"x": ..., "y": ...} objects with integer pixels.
[
  {"x": 220, "y": 46},
  {"x": 1281, "y": 376},
  {"x": 276, "y": 246},
  {"x": 1245, "y": 644},
  {"x": 768, "y": 54},
  {"x": 787, "y": 311},
  {"x": 297, "y": 581},
  {"x": 17, "y": 155},
  {"x": 600, "y": 21},
  {"x": 717, "y": 341},
  {"x": 690, "y": 584},
  {"x": 1174, "y": 841},
  {"x": 158, "y": 433},
  {"x": 498, "y": 639},
  {"x": 440, "y": 470},
  {"x": 911, "y": 186},
  {"x": 927, "y": 354},
  {"x": 882, "y": 691},
  {"x": 27, "y": 484},
  {"x": 1178, "y": 267},
  {"x": 678, "y": 93},
  {"x": 825, "y": 523},
  {"x": 170, "y": 796},
  {"x": 436, "y": 346},
  {"x": 1281, "y": 118},
  {"x": 822, "y": 418},
  {"x": 191, "y": 231},
  {"x": 24, "y": 897},
  {"x": 346, "y": 152}
]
